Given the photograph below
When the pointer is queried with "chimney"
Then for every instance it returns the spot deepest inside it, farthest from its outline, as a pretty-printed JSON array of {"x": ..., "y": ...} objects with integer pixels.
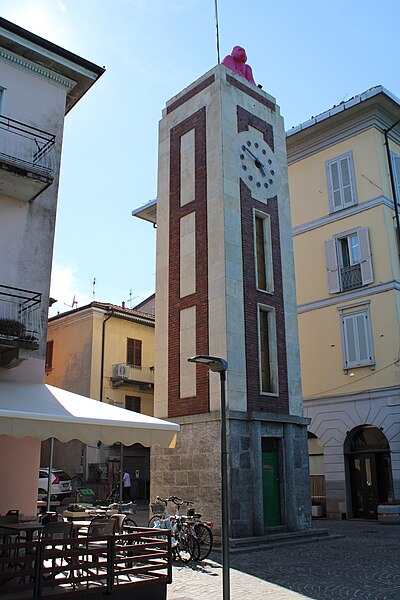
[{"x": 123, "y": 304}]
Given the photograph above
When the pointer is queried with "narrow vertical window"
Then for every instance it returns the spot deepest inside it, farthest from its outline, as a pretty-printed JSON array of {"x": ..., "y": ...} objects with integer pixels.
[
  {"x": 133, "y": 403},
  {"x": 134, "y": 352},
  {"x": 341, "y": 182},
  {"x": 396, "y": 173},
  {"x": 268, "y": 360},
  {"x": 49, "y": 355},
  {"x": 356, "y": 338},
  {"x": 266, "y": 383},
  {"x": 263, "y": 252}
]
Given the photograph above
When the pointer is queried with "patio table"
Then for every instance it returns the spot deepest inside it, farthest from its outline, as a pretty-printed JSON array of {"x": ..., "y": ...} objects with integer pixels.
[{"x": 29, "y": 527}]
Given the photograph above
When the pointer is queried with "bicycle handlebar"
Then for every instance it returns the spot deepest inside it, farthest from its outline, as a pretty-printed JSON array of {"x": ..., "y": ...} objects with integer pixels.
[{"x": 176, "y": 500}]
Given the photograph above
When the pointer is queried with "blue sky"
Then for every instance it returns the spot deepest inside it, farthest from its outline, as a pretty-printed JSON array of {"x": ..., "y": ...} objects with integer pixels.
[{"x": 310, "y": 55}]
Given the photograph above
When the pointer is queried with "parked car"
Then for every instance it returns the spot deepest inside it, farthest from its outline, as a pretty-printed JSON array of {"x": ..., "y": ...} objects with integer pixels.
[{"x": 61, "y": 485}]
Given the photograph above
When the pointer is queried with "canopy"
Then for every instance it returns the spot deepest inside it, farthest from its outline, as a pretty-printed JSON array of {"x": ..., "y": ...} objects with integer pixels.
[{"x": 44, "y": 411}]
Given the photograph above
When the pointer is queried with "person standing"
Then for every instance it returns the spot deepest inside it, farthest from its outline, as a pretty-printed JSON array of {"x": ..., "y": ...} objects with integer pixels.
[{"x": 126, "y": 483}]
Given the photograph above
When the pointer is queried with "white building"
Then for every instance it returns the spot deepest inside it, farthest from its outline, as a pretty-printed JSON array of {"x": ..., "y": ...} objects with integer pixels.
[{"x": 39, "y": 83}]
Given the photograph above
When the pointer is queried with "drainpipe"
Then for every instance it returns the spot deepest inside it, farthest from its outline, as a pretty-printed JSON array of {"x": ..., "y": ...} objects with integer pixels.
[
  {"x": 110, "y": 313},
  {"x": 392, "y": 183}
]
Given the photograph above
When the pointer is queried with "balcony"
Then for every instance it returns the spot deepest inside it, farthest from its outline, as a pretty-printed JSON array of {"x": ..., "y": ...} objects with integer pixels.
[
  {"x": 20, "y": 324},
  {"x": 125, "y": 374},
  {"x": 26, "y": 160},
  {"x": 351, "y": 277}
]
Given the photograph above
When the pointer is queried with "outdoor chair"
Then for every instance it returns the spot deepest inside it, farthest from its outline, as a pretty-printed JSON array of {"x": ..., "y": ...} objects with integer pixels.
[
  {"x": 99, "y": 528},
  {"x": 119, "y": 522},
  {"x": 54, "y": 531}
]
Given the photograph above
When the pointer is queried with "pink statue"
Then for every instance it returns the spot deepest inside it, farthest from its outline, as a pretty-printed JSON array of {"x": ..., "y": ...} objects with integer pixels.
[{"x": 237, "y": 62}]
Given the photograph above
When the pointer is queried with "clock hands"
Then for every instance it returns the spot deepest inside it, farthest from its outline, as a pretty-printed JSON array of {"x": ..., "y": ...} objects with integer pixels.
[{"x": 257, "y": 163}]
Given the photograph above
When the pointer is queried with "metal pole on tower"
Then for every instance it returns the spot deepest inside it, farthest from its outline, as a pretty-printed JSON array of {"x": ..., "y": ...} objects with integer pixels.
[{"x": 216, "y": 26}]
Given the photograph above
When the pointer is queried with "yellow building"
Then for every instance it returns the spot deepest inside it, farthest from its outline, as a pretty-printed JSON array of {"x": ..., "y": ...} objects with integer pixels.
[
  {"x": 105, "y": 352},
  {"x": 343, "y": 178}
]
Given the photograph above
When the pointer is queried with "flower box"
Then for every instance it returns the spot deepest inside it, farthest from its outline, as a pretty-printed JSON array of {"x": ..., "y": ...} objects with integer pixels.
[{"x": 389, "y": 513}]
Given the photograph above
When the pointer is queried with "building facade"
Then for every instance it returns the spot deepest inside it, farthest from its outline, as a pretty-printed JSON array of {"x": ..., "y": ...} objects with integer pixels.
[
  {"x": 105, "y": 352},
  {"x": 39, "y": 83},
  {"x": 344, "y": 173},
  {"x": 225, "y": 287}
]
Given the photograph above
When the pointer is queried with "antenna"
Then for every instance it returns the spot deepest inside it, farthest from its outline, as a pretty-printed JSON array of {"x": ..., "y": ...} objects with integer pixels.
[
  {"x": 217, "y": 29},
  {"x": 74, "y": 303},
  {"x": 131, "y": 298},
  {"x": 94, "y": 288}
]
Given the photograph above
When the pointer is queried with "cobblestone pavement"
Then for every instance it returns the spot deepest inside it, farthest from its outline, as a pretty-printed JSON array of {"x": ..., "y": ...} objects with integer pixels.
[{"x": 364, "y": 565}]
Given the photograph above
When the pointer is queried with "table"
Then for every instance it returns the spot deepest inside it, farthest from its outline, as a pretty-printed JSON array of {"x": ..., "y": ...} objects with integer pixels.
[{"x": 29, "y": 527}]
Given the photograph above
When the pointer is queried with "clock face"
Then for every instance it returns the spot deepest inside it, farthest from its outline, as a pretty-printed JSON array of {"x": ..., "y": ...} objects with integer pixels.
[{"x": 256, "y": 164}]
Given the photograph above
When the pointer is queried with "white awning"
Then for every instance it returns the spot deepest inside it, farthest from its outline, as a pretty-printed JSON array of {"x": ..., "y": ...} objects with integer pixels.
[{"x": 43, "y": 411}]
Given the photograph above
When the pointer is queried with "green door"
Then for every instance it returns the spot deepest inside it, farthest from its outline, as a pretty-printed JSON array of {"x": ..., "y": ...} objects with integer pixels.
[{"x": 270, "y": 478}]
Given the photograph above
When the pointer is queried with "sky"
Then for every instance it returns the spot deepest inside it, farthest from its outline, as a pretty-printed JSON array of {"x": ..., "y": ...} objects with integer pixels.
[{"x": 309, "y": 55}]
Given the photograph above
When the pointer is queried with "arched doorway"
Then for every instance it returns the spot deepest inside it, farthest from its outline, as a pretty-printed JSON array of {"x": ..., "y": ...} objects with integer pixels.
[{"x": 370, "y": 470}]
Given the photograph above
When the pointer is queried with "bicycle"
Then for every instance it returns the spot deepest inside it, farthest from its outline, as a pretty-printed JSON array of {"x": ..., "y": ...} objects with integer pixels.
[
  {"x": 202, "y": 530},
  {"x": 184, "y": 540}
]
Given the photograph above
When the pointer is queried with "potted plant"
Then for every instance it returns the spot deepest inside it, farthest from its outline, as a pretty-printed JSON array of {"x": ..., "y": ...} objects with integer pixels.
[
  {"x": 11, "y": 327},
  {"x": 389, "y": 512}
]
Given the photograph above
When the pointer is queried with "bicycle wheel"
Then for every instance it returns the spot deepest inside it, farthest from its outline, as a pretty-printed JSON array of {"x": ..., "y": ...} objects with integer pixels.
[
  {"x": 153, "y": 519},
  {"x": 188, "y": 548},
  {"x": 205, "y": 538},
  {"x": 130, "y": 523}
]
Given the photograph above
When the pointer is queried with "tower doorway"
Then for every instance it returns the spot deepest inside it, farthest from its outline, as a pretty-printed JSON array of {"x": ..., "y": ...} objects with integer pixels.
[{"x": 370, "y": 470}]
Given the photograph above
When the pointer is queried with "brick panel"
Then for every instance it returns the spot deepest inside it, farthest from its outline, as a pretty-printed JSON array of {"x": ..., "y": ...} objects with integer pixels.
[
  {"x": 253, "y": 296},
  {"x": 193, "y": 92},
  {"x": 250, "y": 92},
  {"x": 201, "y": 402}
]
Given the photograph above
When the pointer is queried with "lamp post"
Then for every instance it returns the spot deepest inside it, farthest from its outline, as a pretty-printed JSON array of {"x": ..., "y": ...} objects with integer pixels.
[{"x": 219, "y": 365}]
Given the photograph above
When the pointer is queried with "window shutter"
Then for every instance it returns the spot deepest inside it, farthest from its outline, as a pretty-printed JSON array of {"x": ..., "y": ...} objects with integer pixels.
[
  {"x": 335, "y": 184},
  {"x": 365, "y": 256},
  {"x": 362, "y": 339},
  {"x": 332, "y": 266},
  {"x": 346, "y": 181},
  {"x": 396, "y": 173},
  {"x": 350, "y": 341}
]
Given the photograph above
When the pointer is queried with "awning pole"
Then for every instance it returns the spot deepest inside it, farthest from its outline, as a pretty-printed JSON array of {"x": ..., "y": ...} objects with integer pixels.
[
  {"x": 121, "y": 473},
  {"x": 50, "y": 473}
]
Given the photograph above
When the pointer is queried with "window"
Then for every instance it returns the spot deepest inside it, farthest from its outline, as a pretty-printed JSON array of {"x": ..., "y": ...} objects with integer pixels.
[
  {"x": 356, "y": 338},
  {"x": 133, "y": 403},
  {"x": 2, "y": 90},
  {"x": 348, "y": 260},
  {"x": 134, "y": 352},
  {"x": 49, "y": 355},
  {"x": 396, "y": 175},
  {"x": 263, "y": 252},
  {"x": 268, "y": 360},
  {"x": 341, "y": 182}
]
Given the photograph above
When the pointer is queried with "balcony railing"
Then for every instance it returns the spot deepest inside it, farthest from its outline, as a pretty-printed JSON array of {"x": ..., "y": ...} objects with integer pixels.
[
  {"x": 351, "y": 277},
  {"x": 126, "y": 373},
  {"x": 25, "y": 146},
  {"x": 20, "y": 319}
]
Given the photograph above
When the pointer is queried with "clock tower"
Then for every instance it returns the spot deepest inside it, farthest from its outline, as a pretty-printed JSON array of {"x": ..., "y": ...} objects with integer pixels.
[{"x": 225, "y": 287}]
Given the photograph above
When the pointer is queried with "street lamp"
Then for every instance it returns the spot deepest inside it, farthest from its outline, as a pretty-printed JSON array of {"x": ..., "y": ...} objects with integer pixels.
[{"x": 219, "y": 365}]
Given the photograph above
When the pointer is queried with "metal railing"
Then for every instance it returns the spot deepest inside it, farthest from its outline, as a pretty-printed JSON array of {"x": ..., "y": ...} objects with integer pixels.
[
  {"x": 76, "y": 567},
  {"x": 26, "y": 147},
  {"x": 351, "y": 277},
  {"x": 20, "y": 317}
]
